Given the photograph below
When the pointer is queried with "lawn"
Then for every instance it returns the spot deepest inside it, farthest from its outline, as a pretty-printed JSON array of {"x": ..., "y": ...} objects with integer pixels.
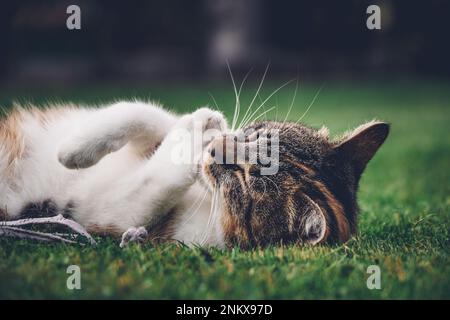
[{"x": 404, "y": 221}]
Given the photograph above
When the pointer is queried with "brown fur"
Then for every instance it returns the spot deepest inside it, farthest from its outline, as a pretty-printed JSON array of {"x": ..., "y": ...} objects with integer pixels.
[
  {"x": 301, "y": 166},
  {"x": 11, "y": 136},
  {"x": 103, "y": 230},
  {"x": 3, "y": 215},
  {"x": 164, "y": 229},
  {"x": 312, "y": 197},
  {"x": 234, "y": 231},
  {"x": 11, "y": 139}
]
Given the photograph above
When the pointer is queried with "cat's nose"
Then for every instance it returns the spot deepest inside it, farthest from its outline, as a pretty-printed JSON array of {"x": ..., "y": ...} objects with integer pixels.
[{"x": 223, "y": 149}]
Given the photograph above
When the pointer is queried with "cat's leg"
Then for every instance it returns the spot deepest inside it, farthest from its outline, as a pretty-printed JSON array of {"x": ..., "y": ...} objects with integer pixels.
[
  {"x": 145, "y": 196},
  {"x": 109, "y": 129}
]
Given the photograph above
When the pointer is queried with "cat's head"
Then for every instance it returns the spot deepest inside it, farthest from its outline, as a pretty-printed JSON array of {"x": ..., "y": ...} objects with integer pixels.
[{"x": 309, "y": 198}]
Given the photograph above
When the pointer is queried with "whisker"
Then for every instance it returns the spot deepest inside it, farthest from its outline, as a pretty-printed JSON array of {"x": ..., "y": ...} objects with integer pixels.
[
  {"x": 277, "y": 104},
  {"x": 264, "y": 193},
  {"x": 214, "y": 101},
  {"x": 239, "y": 95},
  {"x": 311, "y": 103},
  {"x": 236, "y": 106},
  {"x": 276, "y": 186},
  {"x": 213, "y": 209},
  {"x": 205, "y": 234},
  {"x": 262, "y": 114},
  {"x": 197, "y": 201},
  {"x": 264, "y": 108},
  {"x": 256, "y": 94},
  {"x": 292, "y": 102},
  {"x": 216, "y": 212},
  {"x": 265, "y": 101}
]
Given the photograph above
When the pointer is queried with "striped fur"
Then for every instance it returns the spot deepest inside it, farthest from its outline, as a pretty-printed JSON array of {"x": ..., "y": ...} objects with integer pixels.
[{"x": 311, "y": 199}]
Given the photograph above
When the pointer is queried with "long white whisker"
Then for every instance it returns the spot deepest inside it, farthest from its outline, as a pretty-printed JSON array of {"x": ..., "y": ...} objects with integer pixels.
[
  {"x": 292, "y": 102},
  {"x": 205, "y": 234},
  {"x": 197, "y": 201},
  {"x": 214, "y": 201},
  {"x": 276, "y": 186},
  {"x": 214, "y": 214},
  {"x": 264, "y": 108},
  {"x": 311, "y": 103},
  {"x": 214, "y": 101},
  {"x": 264, "y": 193},
  {"x": 246, "y": 121},
  {"x": 237, "y": 102},
  {"x": 237, "y": 107},
  {"x": 256, "y": 94},
  {"x": 239, "y": 97},
  {"x": 277, "y": 104},
  {"x": 262, "y": 114}
]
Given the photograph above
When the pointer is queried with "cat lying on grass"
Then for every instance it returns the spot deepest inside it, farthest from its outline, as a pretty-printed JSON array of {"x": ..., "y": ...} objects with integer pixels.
[{"x": 114, "y": 171}]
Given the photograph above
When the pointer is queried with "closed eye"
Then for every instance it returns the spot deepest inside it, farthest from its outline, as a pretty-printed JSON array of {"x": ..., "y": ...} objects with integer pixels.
[
  {"x": 233, "y": 167},
  {"x": 252, "y": 137},
  {"x": 257, "y": 134},
  {"x": 254, "y": 171}
]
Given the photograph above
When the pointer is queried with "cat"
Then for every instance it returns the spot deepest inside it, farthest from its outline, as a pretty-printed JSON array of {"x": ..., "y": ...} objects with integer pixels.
[{"x": 112, "y": 170}]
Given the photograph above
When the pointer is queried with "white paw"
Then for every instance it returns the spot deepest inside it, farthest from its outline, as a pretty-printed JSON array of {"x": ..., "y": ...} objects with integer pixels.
[
  {"x": 210, "y": 119},
  {"x": 133, "y": 234},
  {"x": 81, "y": 154}
]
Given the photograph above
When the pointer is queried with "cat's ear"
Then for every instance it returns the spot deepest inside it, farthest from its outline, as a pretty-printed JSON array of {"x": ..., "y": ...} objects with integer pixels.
[
  {"x": 313, "y": 224},
  {"x": 360, "y": 145}
]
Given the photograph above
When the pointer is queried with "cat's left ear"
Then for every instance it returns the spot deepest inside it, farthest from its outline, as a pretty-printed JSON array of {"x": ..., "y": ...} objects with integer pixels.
[
  {"x": 313, "y": 225},
  {"x": 360, "y": 145}
]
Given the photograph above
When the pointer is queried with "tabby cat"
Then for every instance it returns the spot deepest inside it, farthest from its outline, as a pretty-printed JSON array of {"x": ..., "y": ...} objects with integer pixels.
[{"x": 111, "y": 169}]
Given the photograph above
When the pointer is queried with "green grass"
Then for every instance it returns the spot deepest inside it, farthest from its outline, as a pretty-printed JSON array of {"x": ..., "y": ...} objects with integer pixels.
[{"x": 404, "y": 220}]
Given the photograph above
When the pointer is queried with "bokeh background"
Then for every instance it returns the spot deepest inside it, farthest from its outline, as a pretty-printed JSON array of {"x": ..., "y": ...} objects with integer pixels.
[{"x": 144, "y": 42}]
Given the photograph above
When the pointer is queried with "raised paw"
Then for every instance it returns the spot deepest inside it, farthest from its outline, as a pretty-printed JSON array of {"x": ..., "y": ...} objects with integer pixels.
[
  {"x": 211, "y": 123},
  {"x": 210, "y": 119},
  {"x": 133, "y": 234},
  {"x": 78, "y": 153}
]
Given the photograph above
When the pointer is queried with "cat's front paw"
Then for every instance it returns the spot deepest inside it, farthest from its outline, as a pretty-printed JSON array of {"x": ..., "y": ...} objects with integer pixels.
[
  {"x": 209, "y": 120},
  {"x": 75, "y": 159},
  {"x": 81, "y": 153},
  {"x": 189, "y": 137},
  {"x": 133, "y": 234}
]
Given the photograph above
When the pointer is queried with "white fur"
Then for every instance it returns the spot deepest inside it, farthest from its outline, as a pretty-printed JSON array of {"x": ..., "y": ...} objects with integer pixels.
[{"x": 94, "y": 159}]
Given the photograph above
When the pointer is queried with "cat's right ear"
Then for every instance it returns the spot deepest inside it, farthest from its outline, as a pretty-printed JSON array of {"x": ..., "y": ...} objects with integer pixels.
[{"x": 360, "y": 145}]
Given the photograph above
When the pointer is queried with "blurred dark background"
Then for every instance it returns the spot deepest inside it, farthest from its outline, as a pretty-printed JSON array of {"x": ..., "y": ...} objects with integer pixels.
[{"x": 176, "y": 40}]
